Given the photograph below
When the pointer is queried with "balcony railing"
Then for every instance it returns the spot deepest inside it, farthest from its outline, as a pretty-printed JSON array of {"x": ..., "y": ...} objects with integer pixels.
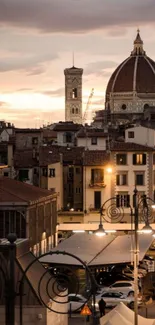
[{"x": 97, "y": 184}]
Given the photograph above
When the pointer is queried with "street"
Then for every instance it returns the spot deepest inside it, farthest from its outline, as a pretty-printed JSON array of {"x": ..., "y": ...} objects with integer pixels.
[{"x": 76, "y": 319}]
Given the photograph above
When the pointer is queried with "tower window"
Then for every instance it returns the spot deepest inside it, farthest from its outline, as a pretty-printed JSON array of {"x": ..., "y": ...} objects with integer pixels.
[
  {"x": 77, "y": 111},
  {"x": 72, "y": 110},
  {"x": 123, "y": 107},
  {"x": 74, "y": 93}
]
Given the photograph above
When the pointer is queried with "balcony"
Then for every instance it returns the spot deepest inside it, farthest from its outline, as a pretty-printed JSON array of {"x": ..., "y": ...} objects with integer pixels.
[{"x": 97, "y": 184}]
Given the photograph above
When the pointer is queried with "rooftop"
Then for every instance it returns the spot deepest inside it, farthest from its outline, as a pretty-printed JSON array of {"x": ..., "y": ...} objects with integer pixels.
[
  {"x": 14, "y": 191},
  {"x": 128, "y": 146},
  {"x": 24, "y": 158}
]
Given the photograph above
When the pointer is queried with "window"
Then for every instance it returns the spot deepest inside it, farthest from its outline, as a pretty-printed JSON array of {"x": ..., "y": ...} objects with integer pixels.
[
  {"x": 121, "y": 179},
  {"x": 78, "y": 190},
  {"x": 6, "y": 174},
  {"x": 70, "y": 172},
  {"x": 123, "y": 107},
  {"x": 77, "y": 110},
  {"x": 44, "y": 172},
  {"x": 52, "y": 172},
  {"x": 94, "y": 140},
  {"x": 23, "y": 174},
  {"x": 131, "y": 135},
  {"x": 121, "y": 159},
  {"x": 74, "y": 93},
  {"x": 154, "y": 159},
  {"x": 68, "y": 137},
  {"x": 139, "y": 178},
  {"x": 122, "y": 200},
  {"x": 35, "y": 140},
  {"x": 72, "y": 110},
  {"x": 77, "y": 170},
  {"x": 97, "y": 175},
  {"x": 139, "y": 159}
]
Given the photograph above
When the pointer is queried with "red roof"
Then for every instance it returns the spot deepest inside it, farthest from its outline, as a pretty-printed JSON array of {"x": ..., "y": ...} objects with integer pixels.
[
  {"x": 24, "y": 158},
  {"x": 140, "y": 68},
  {"x": 14, "y": 191},
  {"x": 96, "y": 158},
  {"x": 128, "y": 146},
  {"x": 67, "y": 126},
  {"x": 89, "y": 132},
  {"x": 53, "y": 154}
]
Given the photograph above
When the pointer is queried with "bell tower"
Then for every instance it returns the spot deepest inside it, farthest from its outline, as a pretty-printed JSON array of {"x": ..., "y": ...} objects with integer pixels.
[{"x": 73, "y": 94}]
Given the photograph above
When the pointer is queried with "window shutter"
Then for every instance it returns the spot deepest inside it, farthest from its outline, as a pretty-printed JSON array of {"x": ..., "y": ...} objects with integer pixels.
[
  {"x": 128, "y": 200},
  {"x": 92, "y": 175},
  {"x": 134, "y": 159},
  {"x": 144, "y": 158},
  {"x": 117, "y": 179},
  {"x": 117, "y": 201}
]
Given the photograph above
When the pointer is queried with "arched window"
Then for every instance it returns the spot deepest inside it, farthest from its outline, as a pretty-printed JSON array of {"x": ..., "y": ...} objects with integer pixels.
[
  {"x": 72, "y": 110},
  {"x": 77, "y": 110},
  {"x": 74, "y": 93}
]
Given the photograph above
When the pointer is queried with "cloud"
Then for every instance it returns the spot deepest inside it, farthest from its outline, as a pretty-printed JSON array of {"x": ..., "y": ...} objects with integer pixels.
[
  {"x": 99, "y": 68},
  {"x": 99, "y": 102},
  {"x": 75, "y": 16},
  {"x": 35, "y": 118},
  {"x": 60, "y": 92},
  {"x": 31, "y": 64}
]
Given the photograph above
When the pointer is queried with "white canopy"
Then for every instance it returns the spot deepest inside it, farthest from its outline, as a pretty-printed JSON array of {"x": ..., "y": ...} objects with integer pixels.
[
  {"x": 94, "y": 250},
  {"x": 122, "y": 315}
]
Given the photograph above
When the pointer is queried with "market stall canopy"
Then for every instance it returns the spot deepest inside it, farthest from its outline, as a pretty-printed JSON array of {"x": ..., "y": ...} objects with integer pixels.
[
  {"x": 122, "y": 315},
  {"x": 95, "y": 251}
]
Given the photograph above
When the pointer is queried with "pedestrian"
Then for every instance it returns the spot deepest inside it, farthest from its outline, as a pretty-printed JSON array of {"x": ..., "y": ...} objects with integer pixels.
[{"x": 102, "y": 305}]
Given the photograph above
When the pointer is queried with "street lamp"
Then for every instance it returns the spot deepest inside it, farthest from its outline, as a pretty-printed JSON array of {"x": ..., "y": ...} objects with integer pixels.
[
  {"x": 116, "y": 213},
  {"x": 100, "y": 232}
]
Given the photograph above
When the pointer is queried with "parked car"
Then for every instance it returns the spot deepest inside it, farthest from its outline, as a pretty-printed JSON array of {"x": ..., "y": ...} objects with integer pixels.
[
  {"x": 129, "y": 271},
  {"x": 107, "y": 278},
  {"x": 76, "y": 302},
  {"x": 126, "y": 287},
  {"x": 113, "y": 298}
]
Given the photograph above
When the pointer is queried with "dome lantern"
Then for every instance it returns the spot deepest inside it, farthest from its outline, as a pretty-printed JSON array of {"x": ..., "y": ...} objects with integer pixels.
[{"x": 138, "y": 45}]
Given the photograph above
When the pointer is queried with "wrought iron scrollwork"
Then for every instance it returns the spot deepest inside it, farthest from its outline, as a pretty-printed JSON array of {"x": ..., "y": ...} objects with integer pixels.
[
  {"x": 58, "y": 280},
  {"x": 111, "y": 211}
]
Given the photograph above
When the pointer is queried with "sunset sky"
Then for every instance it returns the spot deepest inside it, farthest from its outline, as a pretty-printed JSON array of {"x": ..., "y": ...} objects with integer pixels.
[{"x": 38, "y": 37}]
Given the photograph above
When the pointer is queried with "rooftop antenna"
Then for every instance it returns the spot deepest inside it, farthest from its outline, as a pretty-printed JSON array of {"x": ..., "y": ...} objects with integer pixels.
[{"x": 73, "y": 59}]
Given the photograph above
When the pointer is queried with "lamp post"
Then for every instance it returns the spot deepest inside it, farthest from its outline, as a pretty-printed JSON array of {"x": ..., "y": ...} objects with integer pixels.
[{"x": 116, "y": 213}]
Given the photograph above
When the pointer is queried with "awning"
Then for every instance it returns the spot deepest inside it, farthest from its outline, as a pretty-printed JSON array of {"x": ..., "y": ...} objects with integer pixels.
[
  {"x": 122, "y": 315},
  {"x": 95, "y": 251}
]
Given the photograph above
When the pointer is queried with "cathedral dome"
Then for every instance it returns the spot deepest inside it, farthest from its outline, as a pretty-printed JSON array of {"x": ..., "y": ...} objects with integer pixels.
[{"x": 136, "y": 74}]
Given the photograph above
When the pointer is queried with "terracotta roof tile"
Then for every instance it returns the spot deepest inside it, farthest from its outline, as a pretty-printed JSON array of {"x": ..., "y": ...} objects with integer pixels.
[
  {"x": 24, "y": 158},
  {"x": 84, "y": 132},
  {"x": 15, "y": 191},
  {"x": 96, "y": 158},
  {"x": 67, "y": 126},
  {"x": 49, "y": 133},
  {"x": 128, "y": 146},
  {"x": 52, "y": 154}
]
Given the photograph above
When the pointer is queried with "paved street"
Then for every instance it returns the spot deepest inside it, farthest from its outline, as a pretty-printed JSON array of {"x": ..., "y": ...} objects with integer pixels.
[{"x": 76, "y": 319}]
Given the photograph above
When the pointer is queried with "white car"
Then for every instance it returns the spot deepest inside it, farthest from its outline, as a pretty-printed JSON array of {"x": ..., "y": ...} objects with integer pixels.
[
  {"x": 113, "y": 298},
  {"x": 130, "y": 273},
  {"x": 126, "y": 287},
  {"x": 76, "y": 302}
]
